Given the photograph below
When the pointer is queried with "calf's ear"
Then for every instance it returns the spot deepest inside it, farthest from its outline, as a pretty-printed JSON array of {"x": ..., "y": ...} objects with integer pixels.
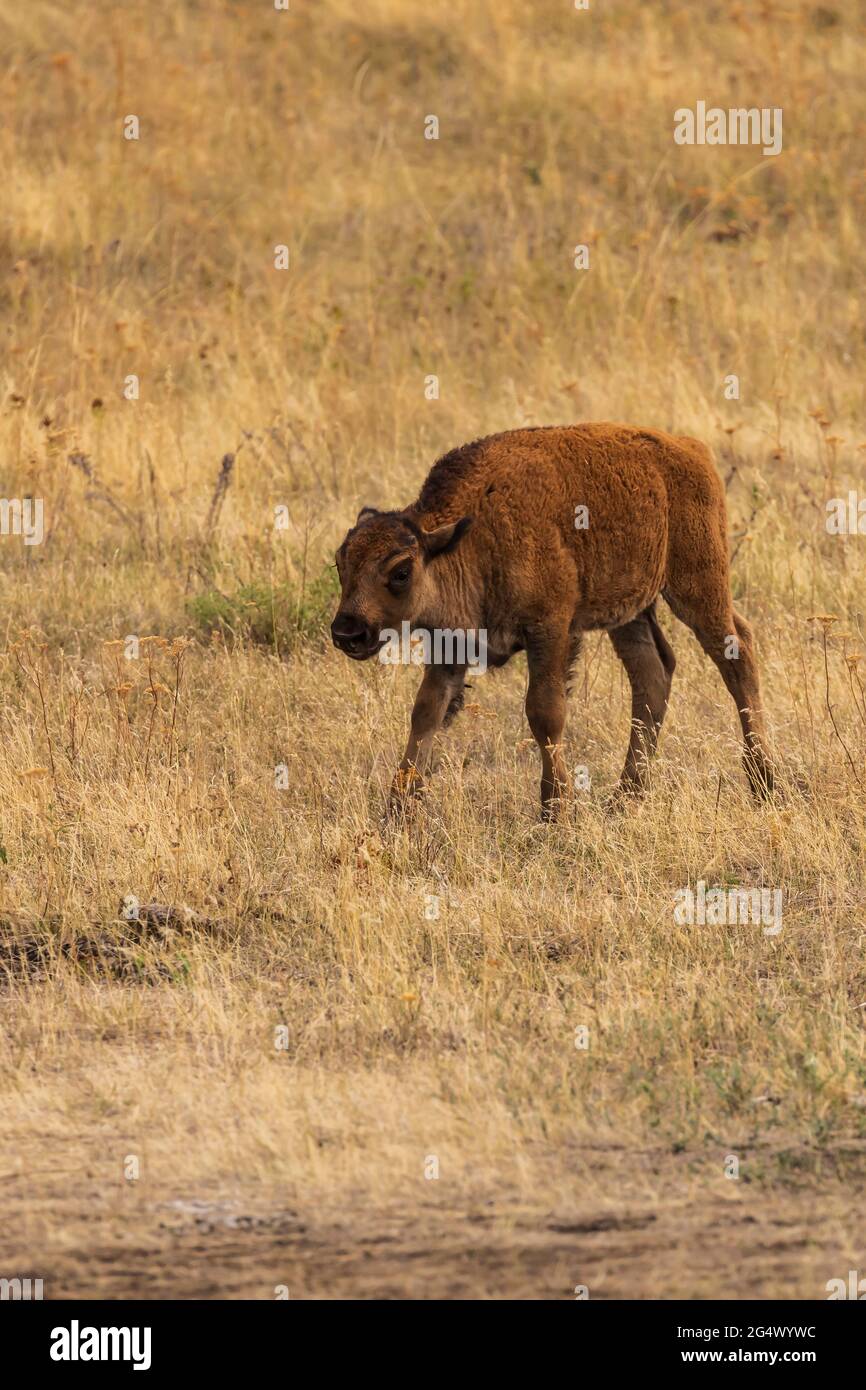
[
  {"x": 444, "y": 538},
  {"x": 366, "y": 511}
]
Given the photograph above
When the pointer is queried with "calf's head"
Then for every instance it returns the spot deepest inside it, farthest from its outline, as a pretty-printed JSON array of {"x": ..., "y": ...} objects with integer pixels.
[{"x": 387, "y": 569}]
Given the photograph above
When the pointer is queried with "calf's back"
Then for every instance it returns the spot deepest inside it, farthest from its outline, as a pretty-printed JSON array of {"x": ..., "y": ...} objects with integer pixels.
[{"x": 592, "y": 516}]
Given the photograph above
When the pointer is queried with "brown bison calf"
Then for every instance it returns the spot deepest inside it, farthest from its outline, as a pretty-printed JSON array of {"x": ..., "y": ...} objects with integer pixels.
[{"x": 532, "y": 538}]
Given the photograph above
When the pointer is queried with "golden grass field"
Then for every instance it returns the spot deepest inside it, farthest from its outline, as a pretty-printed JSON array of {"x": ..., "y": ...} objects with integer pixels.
[{"x": 301, "y": 1158}]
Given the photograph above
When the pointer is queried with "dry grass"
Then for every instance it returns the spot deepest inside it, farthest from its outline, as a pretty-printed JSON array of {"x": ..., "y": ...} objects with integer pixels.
[{"x": 409, "y": 1035}]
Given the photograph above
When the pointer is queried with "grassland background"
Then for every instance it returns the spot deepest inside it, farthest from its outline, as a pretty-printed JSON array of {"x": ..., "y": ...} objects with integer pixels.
[{"x": 409, "y": 1037}]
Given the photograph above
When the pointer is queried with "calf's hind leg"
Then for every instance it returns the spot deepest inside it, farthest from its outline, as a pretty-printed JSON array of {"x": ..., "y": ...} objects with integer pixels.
[
  {"x": 726, "y": 637},
  {"x": 649, "y": 661}
]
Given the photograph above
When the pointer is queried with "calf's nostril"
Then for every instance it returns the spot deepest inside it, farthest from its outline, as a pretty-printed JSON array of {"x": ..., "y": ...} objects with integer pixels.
[{"x": 349, "y": 631}]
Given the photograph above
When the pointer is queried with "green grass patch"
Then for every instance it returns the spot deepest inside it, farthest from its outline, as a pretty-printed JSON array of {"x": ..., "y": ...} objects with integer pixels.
[{"x": 279, "y": 616}]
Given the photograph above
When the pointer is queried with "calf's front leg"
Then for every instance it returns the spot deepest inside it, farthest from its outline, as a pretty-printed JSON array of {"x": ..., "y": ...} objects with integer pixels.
[
  {"x": 439, "y": 694},
  {"x": 547, "y": 657}
]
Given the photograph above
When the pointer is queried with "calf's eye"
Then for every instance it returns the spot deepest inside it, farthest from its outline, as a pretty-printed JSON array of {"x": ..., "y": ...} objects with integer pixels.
[{"x": 399, "y": 577}]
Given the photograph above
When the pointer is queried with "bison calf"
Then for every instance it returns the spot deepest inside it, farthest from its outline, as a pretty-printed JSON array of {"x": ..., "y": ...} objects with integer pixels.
[{"x": 534, "y": 537}]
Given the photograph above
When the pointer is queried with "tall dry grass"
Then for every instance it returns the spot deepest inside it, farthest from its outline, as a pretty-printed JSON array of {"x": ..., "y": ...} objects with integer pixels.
[{"x": 412, "y": 1034}]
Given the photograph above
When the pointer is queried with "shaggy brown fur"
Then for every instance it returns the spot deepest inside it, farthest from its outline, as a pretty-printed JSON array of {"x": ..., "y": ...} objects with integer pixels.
[{"x": 491, "y": 544}]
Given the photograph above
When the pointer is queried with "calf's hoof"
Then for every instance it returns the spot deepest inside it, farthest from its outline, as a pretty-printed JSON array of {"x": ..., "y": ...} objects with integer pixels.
[
  {"x": 407, "y": 790},
  {"x": 762, "y": 780},
  {"x": 627, "y": 792},
  {"x": 553, "y": 809}
]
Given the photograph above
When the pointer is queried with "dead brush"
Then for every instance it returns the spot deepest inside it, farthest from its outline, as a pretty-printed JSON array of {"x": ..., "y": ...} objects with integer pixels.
[{"x": 129, "y": 687}]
